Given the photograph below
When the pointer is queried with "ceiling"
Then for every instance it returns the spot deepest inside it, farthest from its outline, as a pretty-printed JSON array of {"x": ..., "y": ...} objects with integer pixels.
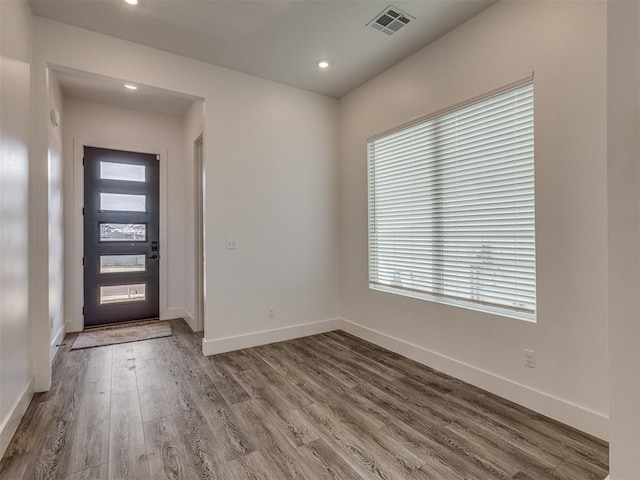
[
  {"x": 110, "y": 91},
  {"x": 281, "y": 40}
]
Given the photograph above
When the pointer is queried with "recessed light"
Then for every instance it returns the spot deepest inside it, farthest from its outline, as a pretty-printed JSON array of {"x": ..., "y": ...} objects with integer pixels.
[
  {"x": 132, "y": 2},
  {"x": 130, "y": 87},
  {"x": 323, "y": 64}
]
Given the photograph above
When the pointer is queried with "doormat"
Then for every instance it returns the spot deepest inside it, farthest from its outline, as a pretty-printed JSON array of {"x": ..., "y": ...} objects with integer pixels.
[{"x": 100, "y": 337}]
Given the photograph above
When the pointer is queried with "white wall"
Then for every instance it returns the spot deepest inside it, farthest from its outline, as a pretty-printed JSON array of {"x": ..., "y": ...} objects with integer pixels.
[
  {"x": 126, "y": 129},
  {"x": 271, "y": 183},
  {"x": 56, "y": 223},
  {"x": 623, "y": 171},
  {"x": 193, "y": 126},
  {"x": 15, "y": 78},
  {"x": 271, "y": 166},
  {"x": 564, "y": 43}
]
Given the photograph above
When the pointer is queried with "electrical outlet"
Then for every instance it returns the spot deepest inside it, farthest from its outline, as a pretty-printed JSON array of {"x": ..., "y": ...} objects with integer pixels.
[
  {"x": 231, "y": 243},
  {"x": 529, "y": 358},
  {"x": 271, "y": 312}
]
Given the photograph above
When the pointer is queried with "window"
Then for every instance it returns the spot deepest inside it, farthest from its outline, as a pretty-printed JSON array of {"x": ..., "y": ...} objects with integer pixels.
[
  {"x": 451, "y": 206},
  {"x": 122, "y": 171},
  {"x": 123, "y": 293},
  {"x": 123, "y": 263},
  {"x": 123, "y": 232},
  {"x": 123, "y": 202}
]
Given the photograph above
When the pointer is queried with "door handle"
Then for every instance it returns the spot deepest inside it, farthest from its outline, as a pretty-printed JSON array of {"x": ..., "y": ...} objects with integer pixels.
[{"x": 153, "y": 257}]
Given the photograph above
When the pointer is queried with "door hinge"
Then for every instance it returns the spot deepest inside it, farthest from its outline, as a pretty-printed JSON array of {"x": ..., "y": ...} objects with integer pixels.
[
  {"x": 83, "y": 261},
  {"x": 83, "y": 161},
  {"x": 82, "y": 210},
  {"x": 157, "y": 157},
  {"x": 82, "y": 310}
]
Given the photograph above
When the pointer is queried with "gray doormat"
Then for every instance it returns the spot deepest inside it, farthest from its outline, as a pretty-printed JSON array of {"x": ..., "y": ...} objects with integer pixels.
[{"x": 111, "y": 335}]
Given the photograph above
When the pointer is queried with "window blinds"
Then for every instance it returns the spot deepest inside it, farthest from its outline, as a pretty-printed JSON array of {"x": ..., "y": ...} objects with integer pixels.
[{"x": 451, "y": 205}]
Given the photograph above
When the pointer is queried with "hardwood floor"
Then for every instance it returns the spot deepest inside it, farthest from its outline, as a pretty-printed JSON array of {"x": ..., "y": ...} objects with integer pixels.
[{"x": 329, "y": 406}]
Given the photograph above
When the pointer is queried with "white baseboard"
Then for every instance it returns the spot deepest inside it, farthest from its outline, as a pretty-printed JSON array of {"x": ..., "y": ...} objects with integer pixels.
[
  {"x": 57, "y": 340},
  {"x": 72, "y": 326},
  {"x": 577, "y": 416},
  {"x": 189, "y": 319},
  {"x": 181, "y": 313},
  {"x": 172, "y": 313},
  {"x": 10, "y": 423},
  {"x": 228, "y": 344}
]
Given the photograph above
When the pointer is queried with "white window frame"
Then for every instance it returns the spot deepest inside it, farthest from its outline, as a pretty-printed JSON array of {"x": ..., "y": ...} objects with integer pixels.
[{"x": 477, "y": 305}]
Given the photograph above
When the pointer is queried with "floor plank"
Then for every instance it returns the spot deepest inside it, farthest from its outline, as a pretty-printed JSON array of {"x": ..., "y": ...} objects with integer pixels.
[
  {"x": 100, "y": 472},
  {"x": 99, "y": 364},
  {"x": 167, "y": 454},
  {"x": 195, "y": 433},
  {"x": 252, "y": 467},
  {"x": 123, "y": 374},
  {"x": 153, "y": 399},
  {"x": 127, "y": 450},
  {"x": 89, "y": 445},
  {"x": 276, "y": 450}
]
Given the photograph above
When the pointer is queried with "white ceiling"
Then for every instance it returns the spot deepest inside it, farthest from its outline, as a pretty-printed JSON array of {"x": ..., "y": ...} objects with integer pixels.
[
  {"x": 110, "y": 91},
  {"x": 280, "y": 40}
]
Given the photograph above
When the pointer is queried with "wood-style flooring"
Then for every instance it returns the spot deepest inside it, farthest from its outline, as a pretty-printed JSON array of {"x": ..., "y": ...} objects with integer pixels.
[{"x": 329, "y": 406}]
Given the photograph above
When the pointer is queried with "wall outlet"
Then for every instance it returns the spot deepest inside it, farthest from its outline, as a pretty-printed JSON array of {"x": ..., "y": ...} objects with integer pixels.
[
  {"x": 231, "y": 243},
  {"x": 529, "y": 358},
  {"x": 271, "y": 312}
]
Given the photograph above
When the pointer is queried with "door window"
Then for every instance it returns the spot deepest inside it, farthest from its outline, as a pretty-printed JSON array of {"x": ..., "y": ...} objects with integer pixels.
[
  {"x": 122, "y": 293},
  {"x": 123, "y": 202},
  {"x": 123, "y": 263},
  {"x": 123, "y": 232},
  {"x": 122, "y": 171}
]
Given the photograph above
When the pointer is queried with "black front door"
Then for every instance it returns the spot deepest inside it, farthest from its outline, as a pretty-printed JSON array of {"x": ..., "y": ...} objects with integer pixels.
[{"x": 121, "y": 230}]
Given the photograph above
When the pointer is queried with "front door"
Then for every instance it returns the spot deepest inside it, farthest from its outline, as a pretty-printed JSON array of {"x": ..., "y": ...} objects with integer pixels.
[{"x": 121, "y": 230}]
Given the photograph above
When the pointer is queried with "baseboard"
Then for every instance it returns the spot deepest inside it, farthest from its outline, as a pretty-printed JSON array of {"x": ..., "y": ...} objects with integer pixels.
[
  {"x": 228, "y": 344},
  {"x": 57, "y": 340},
  {"x": 72, "y": 326},
  {"x": 12, "y": 420},
  {"x": 172, "y": 313},
  {"x": 189, "y": 319},
  {"x": 564, "y": 411},
  {"x": 181, "y": 313}
]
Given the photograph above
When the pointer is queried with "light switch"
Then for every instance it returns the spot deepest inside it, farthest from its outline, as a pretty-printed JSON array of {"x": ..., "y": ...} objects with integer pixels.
[{"x": 230, "y": 243}]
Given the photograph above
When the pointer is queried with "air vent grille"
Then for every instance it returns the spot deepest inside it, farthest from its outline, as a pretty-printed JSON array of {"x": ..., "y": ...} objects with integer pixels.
[{"x": 390, "y": 20}]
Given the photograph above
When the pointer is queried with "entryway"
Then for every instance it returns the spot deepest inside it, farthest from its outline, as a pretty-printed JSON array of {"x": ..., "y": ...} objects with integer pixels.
[{"x": 121, "y": 236}]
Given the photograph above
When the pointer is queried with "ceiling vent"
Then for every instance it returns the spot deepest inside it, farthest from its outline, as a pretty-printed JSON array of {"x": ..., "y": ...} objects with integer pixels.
[{"x": 390, "y": 20}]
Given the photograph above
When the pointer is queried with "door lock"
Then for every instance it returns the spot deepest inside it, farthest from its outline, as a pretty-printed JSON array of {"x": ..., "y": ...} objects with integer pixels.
[{"x": 153, "y": 257}]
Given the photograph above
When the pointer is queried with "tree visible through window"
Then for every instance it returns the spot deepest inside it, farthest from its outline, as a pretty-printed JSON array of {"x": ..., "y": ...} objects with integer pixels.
[{"x": 451, "y": 205}]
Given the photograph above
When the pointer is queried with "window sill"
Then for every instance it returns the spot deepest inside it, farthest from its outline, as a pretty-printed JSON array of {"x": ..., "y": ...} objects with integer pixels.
[{"x": 503, "y": 312}]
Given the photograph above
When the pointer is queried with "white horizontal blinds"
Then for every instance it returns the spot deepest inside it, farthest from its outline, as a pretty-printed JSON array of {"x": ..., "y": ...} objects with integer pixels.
[{"x": 451, "y": 204}]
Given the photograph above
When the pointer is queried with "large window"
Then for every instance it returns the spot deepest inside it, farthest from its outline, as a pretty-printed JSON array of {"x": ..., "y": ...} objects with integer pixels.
[{"x": 451, "y": 206}]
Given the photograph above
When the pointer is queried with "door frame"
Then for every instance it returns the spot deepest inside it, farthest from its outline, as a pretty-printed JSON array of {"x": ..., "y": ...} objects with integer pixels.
[
  {"x": 199, "y": 232},
  {"x": 75, "y": 298}
]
